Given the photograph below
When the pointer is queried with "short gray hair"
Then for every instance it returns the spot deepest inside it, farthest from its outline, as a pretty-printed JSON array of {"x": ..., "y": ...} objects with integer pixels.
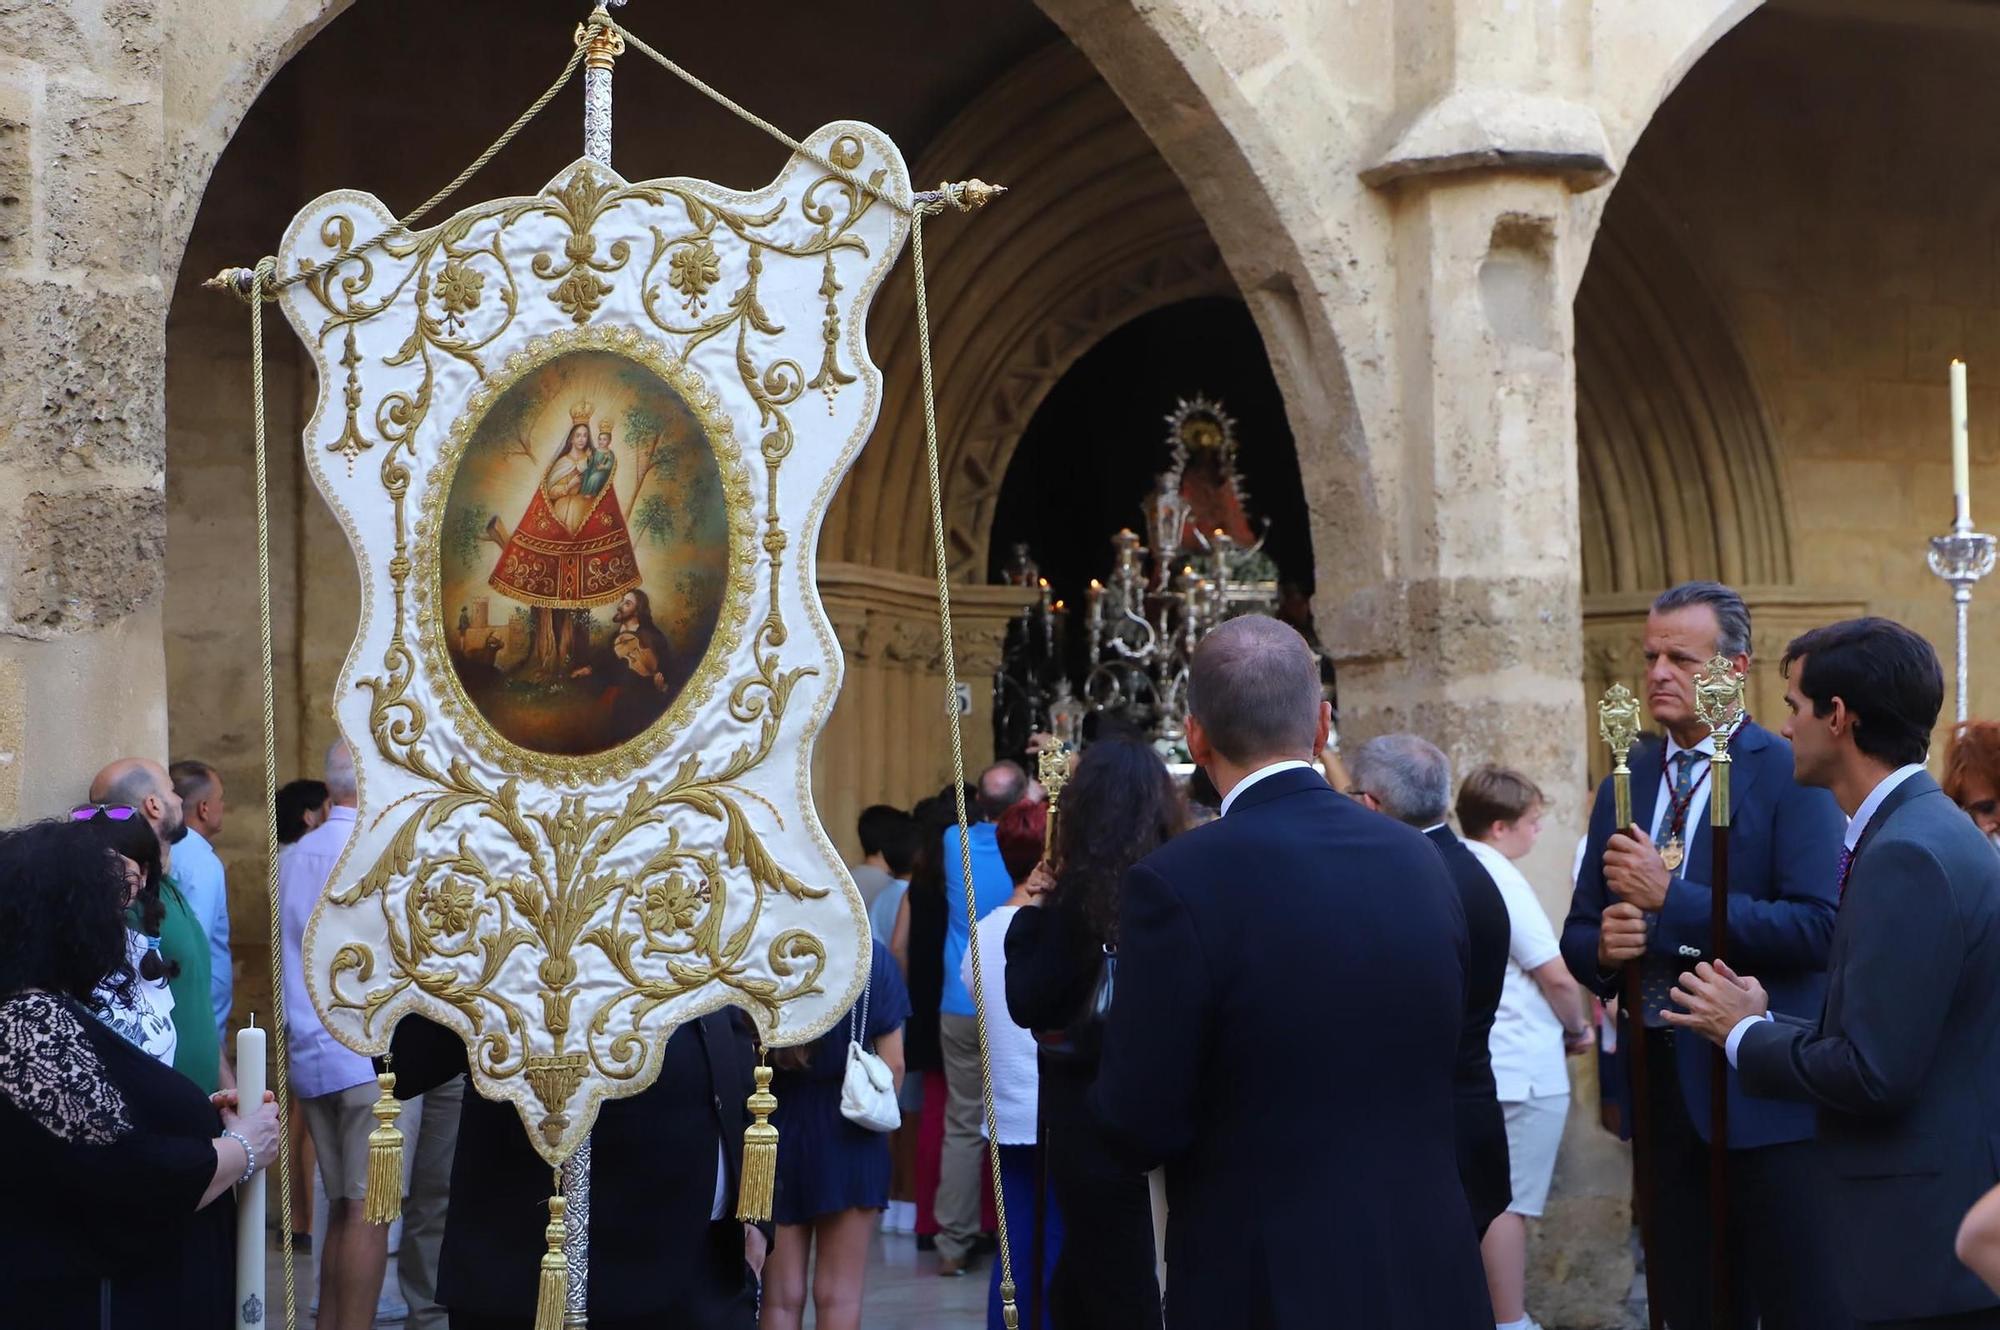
[
  {"x": 1254, "y": 686},
  {"x": 1408, "y": 776},
  {"x": 340, "y": 780},
  {"x": 1732, "y": 616}
]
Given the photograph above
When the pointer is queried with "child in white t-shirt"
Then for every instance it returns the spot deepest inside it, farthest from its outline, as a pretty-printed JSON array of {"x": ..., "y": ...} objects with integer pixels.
[{"x": 1543, "y": 1014}]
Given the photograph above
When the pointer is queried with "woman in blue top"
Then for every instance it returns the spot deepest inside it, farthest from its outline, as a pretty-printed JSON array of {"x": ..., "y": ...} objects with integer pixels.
[{"x": 833, "y": 1176}]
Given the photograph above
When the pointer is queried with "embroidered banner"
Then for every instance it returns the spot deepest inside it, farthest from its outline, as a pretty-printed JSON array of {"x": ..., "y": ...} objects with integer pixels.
[{"x": 582, "y": 444}]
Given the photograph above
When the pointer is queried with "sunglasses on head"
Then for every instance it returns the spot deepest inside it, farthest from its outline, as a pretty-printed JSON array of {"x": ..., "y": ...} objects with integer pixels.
[{"x": 116, "y": 812}]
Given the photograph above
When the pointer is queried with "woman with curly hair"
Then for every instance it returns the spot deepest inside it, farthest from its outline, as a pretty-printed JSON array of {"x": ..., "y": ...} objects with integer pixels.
[
  {"x": 1120, "y": 806},
  {"x": 116, "y": 1210}
]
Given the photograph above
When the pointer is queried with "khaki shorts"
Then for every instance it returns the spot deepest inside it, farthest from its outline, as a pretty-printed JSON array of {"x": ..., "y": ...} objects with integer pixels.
[
  {"x": 1534, "y": 1134},
  {"x": 340, "y": 1124}
]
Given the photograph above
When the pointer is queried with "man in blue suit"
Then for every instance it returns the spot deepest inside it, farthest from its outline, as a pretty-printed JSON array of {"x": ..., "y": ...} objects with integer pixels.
[
  {"x": 1902, "y": 1062},
  {"x": 1284, "y": 1029},
  {"x": 1642, "y": 894}
]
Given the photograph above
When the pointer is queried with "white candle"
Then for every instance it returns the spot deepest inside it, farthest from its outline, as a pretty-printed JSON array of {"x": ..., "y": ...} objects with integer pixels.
[
  {"x": 250, "y": 1075},
  {"x": 1961, "y": 458}
]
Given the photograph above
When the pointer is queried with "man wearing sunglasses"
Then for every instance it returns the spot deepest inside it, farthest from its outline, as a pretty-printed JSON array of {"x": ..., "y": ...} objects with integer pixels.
[{"x": 140, "y": 787}]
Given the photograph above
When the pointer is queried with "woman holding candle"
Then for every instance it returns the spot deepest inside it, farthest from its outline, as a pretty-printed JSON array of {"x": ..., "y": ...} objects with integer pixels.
[{"x": 114, "y": 1210}]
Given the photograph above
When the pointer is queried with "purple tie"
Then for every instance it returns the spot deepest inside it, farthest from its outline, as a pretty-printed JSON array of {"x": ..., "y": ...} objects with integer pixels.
[{"x": 1846, "y": 863}]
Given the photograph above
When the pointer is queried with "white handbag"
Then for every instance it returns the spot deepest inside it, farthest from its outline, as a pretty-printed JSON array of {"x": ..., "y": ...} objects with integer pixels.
[{"x": 868, "y": 1091}]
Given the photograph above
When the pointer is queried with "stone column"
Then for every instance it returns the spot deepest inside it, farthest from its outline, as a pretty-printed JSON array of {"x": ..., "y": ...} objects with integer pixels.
[
  {"x": 82, "y": 439},
  {"x": 1491, "y": 664}
]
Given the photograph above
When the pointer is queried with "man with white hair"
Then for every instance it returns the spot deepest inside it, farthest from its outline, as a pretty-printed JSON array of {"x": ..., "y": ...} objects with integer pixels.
[
  {"x": 1410, "y": 780},
  {"x": 334, "y": 1084}
]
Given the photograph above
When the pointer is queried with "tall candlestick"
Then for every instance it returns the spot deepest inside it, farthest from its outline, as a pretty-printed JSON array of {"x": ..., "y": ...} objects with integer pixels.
[
  {"x": 1961, "y": 450},
  {"x": 250, "y": 1243}
]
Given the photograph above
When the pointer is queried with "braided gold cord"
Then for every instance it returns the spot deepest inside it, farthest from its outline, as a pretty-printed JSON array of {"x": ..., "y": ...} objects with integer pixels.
[
  {"x": 231, "y": 279},
  {"x": 1008, "y": 1289},
  {"x": 283, "y": 1162}
]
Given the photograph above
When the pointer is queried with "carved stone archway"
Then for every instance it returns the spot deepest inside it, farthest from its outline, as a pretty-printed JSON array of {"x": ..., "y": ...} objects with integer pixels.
[{"x": 1091, "y": 237}]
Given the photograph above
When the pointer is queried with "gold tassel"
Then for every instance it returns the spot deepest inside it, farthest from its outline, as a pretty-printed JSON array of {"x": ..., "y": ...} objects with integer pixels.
[
  {"x": 760, "y": 1154},
  {"x": 552, "y": 1299},
  {"x": 384, "y": 1203}
]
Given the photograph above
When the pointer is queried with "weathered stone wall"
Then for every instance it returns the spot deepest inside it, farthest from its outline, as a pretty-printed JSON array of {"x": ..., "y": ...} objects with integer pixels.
[{"x": 81, "y": 448}]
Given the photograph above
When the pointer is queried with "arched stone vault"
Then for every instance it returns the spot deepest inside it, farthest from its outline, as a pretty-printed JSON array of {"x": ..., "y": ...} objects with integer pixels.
[
  {"x": 1087, "y": 239},
  {"x": 1680, "y": 472}
]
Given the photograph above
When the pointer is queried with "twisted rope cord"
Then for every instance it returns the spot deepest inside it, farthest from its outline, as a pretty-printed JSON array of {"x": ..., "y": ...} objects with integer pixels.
[
  {"x": 1008, "y": 1290},
  {"x": 274, "y": 285},
  {"x": 756, "y": 121},
  {"x": 262, "y": 279}
]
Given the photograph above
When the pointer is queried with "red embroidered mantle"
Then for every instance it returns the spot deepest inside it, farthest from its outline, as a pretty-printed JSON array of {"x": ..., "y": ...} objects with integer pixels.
[{"x": 543, "y": 564}]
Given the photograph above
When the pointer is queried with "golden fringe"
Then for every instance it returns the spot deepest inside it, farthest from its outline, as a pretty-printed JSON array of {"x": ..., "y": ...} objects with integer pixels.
[
  {"x": 384, "y": 1203},
  {"x": 760, "y": 1155}
]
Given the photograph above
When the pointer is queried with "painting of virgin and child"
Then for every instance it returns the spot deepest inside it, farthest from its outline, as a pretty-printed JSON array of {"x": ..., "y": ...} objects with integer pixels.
[{"x": 584, "y": 553}]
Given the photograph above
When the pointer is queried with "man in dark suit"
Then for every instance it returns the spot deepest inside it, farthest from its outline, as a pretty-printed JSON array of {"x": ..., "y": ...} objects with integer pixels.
[
  {"x": 1410, "y": 780},
  {"x": 664, "y": 1240},
  {"x": 1631, "y": 903},
  {"x": 1284, "y": 1027},
  {"x": 1902, "y": 1061}
]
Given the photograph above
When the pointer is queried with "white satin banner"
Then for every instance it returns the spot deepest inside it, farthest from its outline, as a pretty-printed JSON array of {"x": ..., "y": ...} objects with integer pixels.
[{"x": 582, "y": 444}]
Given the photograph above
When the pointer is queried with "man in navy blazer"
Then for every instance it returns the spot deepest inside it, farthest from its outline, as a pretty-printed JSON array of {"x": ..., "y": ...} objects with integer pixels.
[
  {"x": 1284, "y": 1029},
  {"x": 1902, "y": 1061},
  {"x": 1629, "y": 903}
]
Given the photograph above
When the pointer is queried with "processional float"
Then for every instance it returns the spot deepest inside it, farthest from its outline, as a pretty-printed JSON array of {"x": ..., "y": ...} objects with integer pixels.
[
  {"x": 581, "y": 443},
  {"x": 1719, "y": 703},
  {"x": 1198, "y": 560}
]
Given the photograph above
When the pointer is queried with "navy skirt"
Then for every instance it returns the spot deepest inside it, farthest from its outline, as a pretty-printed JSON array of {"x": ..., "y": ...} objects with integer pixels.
[{"x": 826, "y": 1164}]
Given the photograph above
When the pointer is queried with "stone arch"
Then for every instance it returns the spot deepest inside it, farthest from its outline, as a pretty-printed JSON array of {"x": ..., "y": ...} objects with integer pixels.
[
  {"x": 220, "y": 76},
  {"x": 1679, "y": 464},
  {"x": 1190, "y": 82},
  {"x": 1087, "y": 239}
]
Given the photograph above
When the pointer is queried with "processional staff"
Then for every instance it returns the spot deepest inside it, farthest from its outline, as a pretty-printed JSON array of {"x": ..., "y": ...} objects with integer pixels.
[
  {"x": 1965, "y": 556},
  {"x": 1718, "y": 701},
  {"x": 1618, "y": 725}
]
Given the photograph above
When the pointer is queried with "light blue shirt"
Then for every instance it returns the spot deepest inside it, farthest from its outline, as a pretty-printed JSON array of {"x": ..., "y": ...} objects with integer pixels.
[
  {"x": 200, "y": 876},
  {"x": 990, "y": 889},
  {"x": 320, "y": 1064},
  {"x": 882, "y": 910}
]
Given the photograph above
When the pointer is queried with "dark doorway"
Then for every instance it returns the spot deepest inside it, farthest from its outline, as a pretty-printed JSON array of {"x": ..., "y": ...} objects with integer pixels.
[{"x": 1089, "y": 455}]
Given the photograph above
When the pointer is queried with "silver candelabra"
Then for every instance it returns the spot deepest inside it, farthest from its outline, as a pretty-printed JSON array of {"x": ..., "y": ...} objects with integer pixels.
[{"x": 1962, "y": 558}]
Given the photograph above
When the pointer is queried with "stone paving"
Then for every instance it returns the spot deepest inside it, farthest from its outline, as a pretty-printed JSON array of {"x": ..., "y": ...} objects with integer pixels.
[{"x": 904, "y": 1292}]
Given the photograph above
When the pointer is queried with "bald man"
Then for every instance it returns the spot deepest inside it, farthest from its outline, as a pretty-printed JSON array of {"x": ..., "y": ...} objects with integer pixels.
[{"x": 142, "y": 784}]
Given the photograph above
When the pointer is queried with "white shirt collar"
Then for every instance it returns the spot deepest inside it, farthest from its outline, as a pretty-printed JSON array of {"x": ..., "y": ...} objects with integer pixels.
[
  {"x": 1706, "y": 747},
  {"x": 1435, "y": 826},
  {"x": 1259, "y": 774},
  {"x": 1859, "y": 822}
]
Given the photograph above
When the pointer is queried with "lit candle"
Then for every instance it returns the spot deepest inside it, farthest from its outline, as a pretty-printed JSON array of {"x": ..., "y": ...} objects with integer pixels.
[
  {"x": 250, "y": 1073},
  {"x": 1961, "y": 458}
]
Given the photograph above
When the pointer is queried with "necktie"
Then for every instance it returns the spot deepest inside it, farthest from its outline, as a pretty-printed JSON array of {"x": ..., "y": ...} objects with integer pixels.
[
  {"x": 1846, "y": 865},
  {"x": 1657, "y": 973}
]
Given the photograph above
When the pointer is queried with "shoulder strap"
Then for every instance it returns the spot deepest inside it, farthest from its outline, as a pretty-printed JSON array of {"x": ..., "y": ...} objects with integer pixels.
[{"x": 859, "y": 1027}]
